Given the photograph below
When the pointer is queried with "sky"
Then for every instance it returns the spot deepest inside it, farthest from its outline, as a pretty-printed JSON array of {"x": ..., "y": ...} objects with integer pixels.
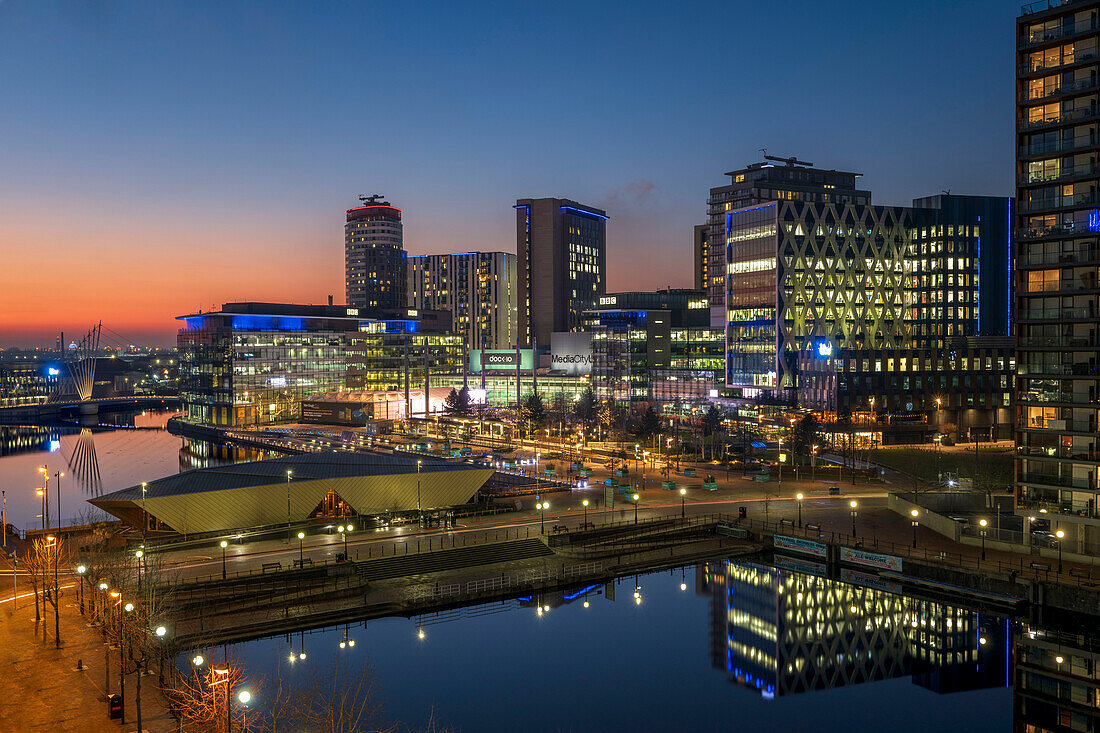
[{"x": 158, "y": 158}]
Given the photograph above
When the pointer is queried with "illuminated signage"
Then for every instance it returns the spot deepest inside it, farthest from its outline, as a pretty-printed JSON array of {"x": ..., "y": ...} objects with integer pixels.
[
  {"x": 412, "y": 312},
  {"x": 824, "y": 349},
  {"x": 571, "y": 352},
  {"x": 500, "y": 360},
  {"x": 353, "y": 311},
  {"x": 698, "y": 303},
  {"x": 53, "y": 371},
  {"x": 609, "y": 300}
]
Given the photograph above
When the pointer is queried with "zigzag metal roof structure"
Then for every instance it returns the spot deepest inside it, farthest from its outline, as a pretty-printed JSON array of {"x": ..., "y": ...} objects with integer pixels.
[{"x": 255, "y": 494}]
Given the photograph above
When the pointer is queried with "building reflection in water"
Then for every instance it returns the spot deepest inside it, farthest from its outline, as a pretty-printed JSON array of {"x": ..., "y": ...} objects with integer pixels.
[
  {"x": 16, "y": 439},
  {"x": 788, "y": 630},
  {"x": 1057, "y": 679},
  {"x": 202, "y": 454}
]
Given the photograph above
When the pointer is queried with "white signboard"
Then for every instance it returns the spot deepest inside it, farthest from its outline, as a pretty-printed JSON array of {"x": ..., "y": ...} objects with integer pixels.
[
  {"x": 571, "y": 353},
  {"x": 870, "y": 559},
  {"x": 797, "y": 544}
]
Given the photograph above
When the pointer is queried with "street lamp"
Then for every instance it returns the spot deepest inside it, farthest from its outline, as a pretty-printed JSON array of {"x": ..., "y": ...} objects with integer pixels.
[
  {"x": 80, "y": 570},
  {"x": 914, "y": 514},
  {"x": 585, "y": 505},
  {"x": 983, "y": 524},
  {"x": 542, "y": 507},
  {"x": 223, "y": 544},
  {"x": 1060, "y": 534},
  {"x": 137, "y": 557},
  {"x": 854, "y": 505},
  {"x": 419, "y": 518},
  {"x": 799, "y": 497},
  {"x": 635, "y": 509},
  {"x": 683, "y": 502},
  {"x": 301, "y": 551},
  {"x": 343, "y": 533},
  {"x": 288, "y": 474}
]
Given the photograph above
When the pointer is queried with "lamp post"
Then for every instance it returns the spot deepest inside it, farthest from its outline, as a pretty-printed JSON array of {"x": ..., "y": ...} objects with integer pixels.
[
  {"x": 585, "y": 505},
  {"x": 779, "y": 467},
  {"x": 343, "y": 533},
  {"x": 144, "y": 514},
  {"x": 1060, "y": 534},
  {"x": 854, "y": 505},
  {"x": 683, "y": 503},
  {"x": 288, "y": 474},
  {"x": 141, "y": 553},
  {"x": 983, "y": 524},
  {"x": 542, "y": 506},
  {"x": 223, "y": 545},
  {"x": 635, "y": 509},
  {"x": 80, "y": 570},
  {"x": 419, "y": 518},
  {"x": 813, "y": 461},
  {"x": 301, "y": 551},
  {"x": 914, "y": 514},
  {"x": 799, "y": 497}
]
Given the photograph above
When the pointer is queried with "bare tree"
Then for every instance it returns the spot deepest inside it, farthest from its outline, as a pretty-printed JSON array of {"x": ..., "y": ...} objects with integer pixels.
[{"x": 208, "y": 698}]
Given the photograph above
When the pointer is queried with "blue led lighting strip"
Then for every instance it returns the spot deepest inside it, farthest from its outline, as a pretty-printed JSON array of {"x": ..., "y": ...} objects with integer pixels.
[{"x": 586, "y": 213}]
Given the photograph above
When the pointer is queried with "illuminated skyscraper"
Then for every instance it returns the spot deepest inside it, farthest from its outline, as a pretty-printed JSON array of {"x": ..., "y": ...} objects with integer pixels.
[
  {"x": 479, "y": 290},
  {"x": 1057, "y": 304},
  {"x": 561, "y": 251},
  {"x": 374, "y": 255}
]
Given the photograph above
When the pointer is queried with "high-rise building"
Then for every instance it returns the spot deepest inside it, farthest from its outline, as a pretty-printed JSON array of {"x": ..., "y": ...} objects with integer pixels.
[
  {"x": 756, "y": 183},
  {"x": 478, "y": 288},
  {"x": 561, "y": 250},
  {"x": 1057, "y": 311},
  {"x": 701, "y": 248},
  {"x": 374, "y": 255}
]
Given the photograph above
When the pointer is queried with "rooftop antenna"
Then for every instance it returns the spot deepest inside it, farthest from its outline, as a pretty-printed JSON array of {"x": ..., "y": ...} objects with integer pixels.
[
  {"x": 946, "y": 192},
  {"x": 375, "y": 200},
  {"x": 764, "y": 152}
]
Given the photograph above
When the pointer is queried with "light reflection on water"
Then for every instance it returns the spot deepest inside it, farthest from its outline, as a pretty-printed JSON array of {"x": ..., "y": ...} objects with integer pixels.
[
  {"x": 721, "y": 646},
  {"x": 135, "y": 447}
]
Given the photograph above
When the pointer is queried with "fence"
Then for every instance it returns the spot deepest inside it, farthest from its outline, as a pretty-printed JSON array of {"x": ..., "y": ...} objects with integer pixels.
[{"x": 484, "y": 586}]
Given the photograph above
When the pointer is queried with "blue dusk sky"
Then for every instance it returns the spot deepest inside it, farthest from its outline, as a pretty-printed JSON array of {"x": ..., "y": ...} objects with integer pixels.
[{"x": 159, "y": 157}]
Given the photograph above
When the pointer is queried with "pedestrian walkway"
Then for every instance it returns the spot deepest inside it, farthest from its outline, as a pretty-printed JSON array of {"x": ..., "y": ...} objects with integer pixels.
[{"x": 42, "y": 689}]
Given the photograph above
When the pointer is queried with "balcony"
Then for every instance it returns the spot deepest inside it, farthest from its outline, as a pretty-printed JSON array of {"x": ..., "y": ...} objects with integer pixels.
[
  {"x": 1072, "y": 201},
  {"x": 1082, "y": 256},
  {"x": 1073, "y": 508},
  {"x": 1056, "y": 342},
  {"x": 1057, "y": 146},
  {"x": 1070, "y": 173},
  {"x": 1059, "y": 453},
  {"x": 1040, "y": 6},
  {"x": 1056, "y": 314},
  {"x": 1072, "y": 116},
  {"x": 1060, "y": 425},
  {"x": 1043, "y": 67},
  {"x": 1057, "y": 90}
]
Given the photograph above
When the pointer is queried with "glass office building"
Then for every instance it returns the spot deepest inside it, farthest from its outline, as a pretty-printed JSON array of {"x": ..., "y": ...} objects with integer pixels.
[{"x": 253, "y": 364}]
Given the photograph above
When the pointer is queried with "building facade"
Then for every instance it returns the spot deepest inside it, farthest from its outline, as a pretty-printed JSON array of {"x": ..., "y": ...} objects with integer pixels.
[
  {"x": 252, "y": 364},
  {"x": 757, "y": 183},
  {"x": 479, "y": 290},
  {"x": 374, "y": 256},
  {"x": 397, "y": 356},
  {"x": 1057, "y": 298},
  {"x": 663, "y": 357},
  {"x": 916, "y": 391},
  {"x": 562, "y": 257}
]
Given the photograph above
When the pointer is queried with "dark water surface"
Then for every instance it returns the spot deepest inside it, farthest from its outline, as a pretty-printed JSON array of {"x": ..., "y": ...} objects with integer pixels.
[{"x": 700, "y": 652}]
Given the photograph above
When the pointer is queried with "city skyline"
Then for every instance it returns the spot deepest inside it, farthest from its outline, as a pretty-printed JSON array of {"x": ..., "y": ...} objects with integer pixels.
[{"x": 169, "y": 154}]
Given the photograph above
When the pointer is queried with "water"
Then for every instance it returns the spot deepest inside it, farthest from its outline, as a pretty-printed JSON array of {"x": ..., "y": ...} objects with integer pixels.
[
  {"x": 123, "y": 451},
  {"x": 687, "y": 657}
]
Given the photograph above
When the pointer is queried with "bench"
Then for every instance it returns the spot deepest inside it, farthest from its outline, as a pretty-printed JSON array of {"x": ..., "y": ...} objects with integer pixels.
[
  {"x": 1040, "y": 566},
  {"x": 559, "y": 528},
  {"x": 271, "y": 567},
  {"x": 302, "y": 563}
]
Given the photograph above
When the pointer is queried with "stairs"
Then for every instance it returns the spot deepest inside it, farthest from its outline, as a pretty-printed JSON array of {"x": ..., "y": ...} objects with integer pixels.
[{"x": 438, "y": 561}]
